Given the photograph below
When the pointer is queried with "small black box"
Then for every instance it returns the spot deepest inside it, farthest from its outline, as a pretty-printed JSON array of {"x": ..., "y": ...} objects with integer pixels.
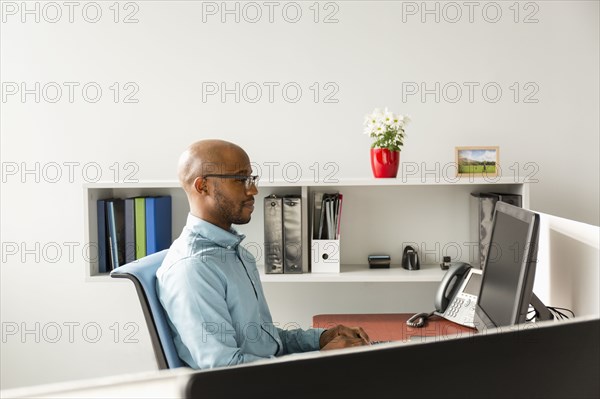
[{"x": 379, "y": 261}]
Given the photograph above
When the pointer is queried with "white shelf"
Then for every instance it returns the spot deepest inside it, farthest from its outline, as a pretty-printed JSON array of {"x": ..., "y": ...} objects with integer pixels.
[
  {"x": 349, "y": 274},
  {"x": 399, "y": 181},
  {"x": 361, "y": 274},
  {"x": 379, "y": 216},
  {"x": 346, "y": 182}
]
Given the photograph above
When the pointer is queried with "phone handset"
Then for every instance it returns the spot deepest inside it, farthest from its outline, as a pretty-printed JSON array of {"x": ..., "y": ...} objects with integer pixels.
[
  {"x": 455, "y": 274},
  {"x": 450, "y": 285}
]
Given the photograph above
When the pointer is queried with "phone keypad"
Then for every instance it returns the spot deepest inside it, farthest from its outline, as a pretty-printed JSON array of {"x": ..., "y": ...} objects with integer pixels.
[{"x": 461, "y": 310}]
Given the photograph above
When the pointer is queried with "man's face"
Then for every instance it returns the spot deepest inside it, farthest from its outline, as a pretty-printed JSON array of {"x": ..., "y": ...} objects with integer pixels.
[
  {"x": 234, "y": 202},
  {"x": 233, "y": 199}
]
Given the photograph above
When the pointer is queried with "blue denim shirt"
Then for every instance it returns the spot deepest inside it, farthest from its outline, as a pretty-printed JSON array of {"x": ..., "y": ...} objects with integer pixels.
[{"x": 210, "y": 288}]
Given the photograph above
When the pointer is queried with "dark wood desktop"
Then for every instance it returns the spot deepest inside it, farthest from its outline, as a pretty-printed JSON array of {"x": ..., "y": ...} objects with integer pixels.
[{"x": 392, "y": 326}]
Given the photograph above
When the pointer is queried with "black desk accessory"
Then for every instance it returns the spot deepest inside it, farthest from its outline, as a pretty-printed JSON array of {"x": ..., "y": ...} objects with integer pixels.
[
  {"x": 445, "y": 265},
  {"x": 379, "y": 261},
  {"x": 410, "y": 259}
]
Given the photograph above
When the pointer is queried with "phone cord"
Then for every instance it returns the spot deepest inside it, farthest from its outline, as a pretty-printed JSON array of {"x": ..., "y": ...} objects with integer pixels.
[{"x": 418, "y": 320}]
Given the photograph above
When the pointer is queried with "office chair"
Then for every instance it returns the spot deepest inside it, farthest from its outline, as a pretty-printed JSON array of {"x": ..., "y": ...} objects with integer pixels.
[{"x": 142, "y": 273}]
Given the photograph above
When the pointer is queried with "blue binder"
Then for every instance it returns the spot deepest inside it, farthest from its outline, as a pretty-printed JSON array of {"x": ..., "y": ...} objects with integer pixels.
[
  {"x": 101, "y": 212},
  {"x": 158, "y": 223}
]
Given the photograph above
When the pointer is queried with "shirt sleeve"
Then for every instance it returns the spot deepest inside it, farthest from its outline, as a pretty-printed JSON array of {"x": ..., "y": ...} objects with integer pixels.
[
  {"x": 194, "y": 299},
  {"x": 298, "y": 340}
]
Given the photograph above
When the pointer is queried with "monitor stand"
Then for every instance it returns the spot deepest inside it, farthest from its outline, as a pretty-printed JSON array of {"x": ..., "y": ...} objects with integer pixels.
[{"x": 542, "y": 312}]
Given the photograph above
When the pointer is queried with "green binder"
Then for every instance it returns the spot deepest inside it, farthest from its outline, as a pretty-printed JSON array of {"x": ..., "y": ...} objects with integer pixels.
[{"x": 140, "y": 227}]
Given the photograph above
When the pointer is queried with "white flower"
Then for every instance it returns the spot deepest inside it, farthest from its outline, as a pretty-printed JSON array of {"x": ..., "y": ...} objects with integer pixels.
[
  {"x": 388, "y": 117},
  {"x": 387, "y": 128},
  {"x": 397, "y": 122},
  {"x": 379, "y": 128},
  {"x": 377, "y": 115},
  {"x": 370, "y": 120}
]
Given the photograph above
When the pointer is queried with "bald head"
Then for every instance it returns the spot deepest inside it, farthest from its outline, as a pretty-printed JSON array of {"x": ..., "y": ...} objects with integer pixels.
[
  {"x": 214, "y": 175},
  {"x": 207, "y": 157}
]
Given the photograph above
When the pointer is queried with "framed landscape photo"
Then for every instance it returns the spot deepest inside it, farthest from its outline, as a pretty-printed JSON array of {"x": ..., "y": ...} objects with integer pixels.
[{"x": 477, "y": 161}]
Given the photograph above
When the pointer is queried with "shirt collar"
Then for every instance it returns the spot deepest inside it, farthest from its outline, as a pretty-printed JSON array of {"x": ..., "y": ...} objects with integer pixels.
[{"x": 214, "y": 233}]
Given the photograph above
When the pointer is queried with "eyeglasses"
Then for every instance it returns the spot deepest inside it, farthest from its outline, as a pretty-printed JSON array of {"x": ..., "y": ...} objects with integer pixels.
[{"x": 248, "y": 181}]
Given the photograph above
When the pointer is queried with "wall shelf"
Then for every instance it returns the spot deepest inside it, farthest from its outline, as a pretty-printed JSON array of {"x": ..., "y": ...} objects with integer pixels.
[
  {"x": 362, "y": 274},
  {"x": 379, "y": 216}
]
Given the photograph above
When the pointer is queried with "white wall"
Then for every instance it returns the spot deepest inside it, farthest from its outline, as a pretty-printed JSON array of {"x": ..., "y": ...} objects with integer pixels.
[{"x": 373, "y": 52}]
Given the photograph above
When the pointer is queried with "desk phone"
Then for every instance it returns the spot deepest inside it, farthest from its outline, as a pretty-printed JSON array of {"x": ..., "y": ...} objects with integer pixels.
[{"x": 457, "y": 295}]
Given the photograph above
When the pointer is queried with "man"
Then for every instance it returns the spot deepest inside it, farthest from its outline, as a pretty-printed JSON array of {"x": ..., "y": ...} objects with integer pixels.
[{"x": 209, "y": 284}]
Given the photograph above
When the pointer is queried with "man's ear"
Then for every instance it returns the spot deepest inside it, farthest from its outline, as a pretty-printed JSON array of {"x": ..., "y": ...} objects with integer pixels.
[{"x": 200, "y": 185}]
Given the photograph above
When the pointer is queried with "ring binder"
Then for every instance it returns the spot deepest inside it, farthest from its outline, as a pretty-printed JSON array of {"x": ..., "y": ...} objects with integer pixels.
[
  {"x": 283, "y": 234},
  {"x": 292, "y": 234},
  {"x": 273, "y": 235}
]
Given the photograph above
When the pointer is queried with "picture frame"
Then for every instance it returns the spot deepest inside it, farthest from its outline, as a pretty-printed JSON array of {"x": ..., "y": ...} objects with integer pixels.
[{"x": 480, "y": 161}]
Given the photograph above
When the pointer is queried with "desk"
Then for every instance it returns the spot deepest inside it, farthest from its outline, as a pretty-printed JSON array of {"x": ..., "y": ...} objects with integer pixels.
[{"x": 392, "y": 326}]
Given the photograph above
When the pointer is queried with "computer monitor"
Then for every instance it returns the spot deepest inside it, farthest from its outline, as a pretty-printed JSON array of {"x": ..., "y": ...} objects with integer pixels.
[{"x": 506, "y": 289}]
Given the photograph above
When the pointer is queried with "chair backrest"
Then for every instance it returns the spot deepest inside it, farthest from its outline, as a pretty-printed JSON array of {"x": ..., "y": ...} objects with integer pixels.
[{"x": 142, "y": 273}]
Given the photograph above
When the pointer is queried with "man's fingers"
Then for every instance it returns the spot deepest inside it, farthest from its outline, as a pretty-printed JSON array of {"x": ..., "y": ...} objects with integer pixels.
[
  {"x": 360, "y": 333},
  {"x": 363, "y": 334},
  {"x": 341, "y": 341}
]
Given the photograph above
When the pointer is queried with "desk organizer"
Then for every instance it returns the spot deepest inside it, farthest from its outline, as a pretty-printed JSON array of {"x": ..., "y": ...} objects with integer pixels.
[{"x": 325, "y": 256}]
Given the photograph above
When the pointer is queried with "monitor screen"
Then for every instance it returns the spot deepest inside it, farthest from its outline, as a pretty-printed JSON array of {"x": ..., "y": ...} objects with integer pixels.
[{"x": 509, "y": 271}]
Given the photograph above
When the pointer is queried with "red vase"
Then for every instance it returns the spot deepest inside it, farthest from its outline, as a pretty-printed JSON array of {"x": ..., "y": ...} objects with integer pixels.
[{"x": 384, "y": 162}]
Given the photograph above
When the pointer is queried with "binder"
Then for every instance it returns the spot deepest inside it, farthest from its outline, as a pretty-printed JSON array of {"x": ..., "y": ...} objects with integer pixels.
[
  {"x": 115, "y": 215},
  {"x": 339, "y": 216},
  {"x": 292, "y": 234},
  {"x": 158, "y": 223},
  {"x": 328, "y": 207},
  {"x": 103, "y": 262},
  {"x": 140, "y": 227},
  {"x": 129, "y": 230},
  {"x": 317, "y": 202},
  {"x": 273, "y": 220},
  {"x": 482, "y": 206},
  {"x": 325, "y": 245}
]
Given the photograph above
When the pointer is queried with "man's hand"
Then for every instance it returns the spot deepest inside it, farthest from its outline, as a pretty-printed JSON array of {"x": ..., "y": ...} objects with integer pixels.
[{"x": 343, "y": 337}]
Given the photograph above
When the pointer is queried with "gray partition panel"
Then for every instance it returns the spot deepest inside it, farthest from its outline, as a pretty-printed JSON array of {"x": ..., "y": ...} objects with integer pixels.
[{"x": 560, "y": 361}]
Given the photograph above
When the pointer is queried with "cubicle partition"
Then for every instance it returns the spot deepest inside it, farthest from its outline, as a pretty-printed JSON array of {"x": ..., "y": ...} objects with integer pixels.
[{"x": 548, "y": 360}]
